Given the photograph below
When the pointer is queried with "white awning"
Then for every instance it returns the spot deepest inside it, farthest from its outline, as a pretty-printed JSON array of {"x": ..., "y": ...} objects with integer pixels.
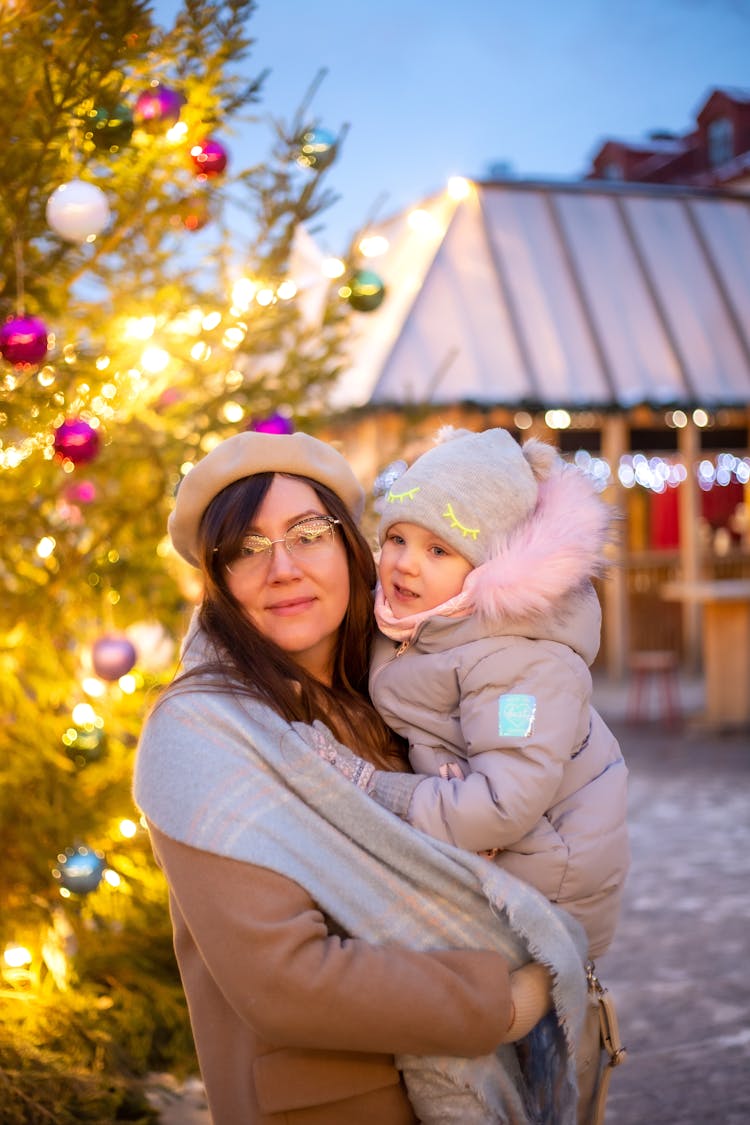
[{"x": 576, "y": 295}]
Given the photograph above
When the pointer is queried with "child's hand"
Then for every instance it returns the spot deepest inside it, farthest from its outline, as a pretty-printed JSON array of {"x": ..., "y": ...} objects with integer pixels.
[
  {"x": 353, "y": 768},
  {"x": 451, "y": 771}
]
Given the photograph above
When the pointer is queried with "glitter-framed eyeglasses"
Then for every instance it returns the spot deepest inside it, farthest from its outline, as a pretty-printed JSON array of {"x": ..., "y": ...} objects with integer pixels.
[{"x": 305, "y": 539}]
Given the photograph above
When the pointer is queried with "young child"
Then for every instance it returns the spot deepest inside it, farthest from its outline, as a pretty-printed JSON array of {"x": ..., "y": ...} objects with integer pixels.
[{"x": 490, "y": 624}]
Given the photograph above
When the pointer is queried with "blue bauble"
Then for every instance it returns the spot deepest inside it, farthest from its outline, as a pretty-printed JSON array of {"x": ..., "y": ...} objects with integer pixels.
[
  {"x": 316, "y": 149},
  {"x": 79, "y": 870}
]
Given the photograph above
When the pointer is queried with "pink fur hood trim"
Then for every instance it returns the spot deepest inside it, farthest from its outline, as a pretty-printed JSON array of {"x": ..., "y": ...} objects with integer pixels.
[{"x": 543, "y": 559}]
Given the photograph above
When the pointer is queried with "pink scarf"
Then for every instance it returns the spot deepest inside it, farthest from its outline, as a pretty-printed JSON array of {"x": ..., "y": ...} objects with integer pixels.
[{"x": 403, "y": 628}]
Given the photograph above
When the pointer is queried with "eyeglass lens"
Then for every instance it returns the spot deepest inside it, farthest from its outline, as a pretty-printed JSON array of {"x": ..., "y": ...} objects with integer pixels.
[{"x": 303, "y": 537}]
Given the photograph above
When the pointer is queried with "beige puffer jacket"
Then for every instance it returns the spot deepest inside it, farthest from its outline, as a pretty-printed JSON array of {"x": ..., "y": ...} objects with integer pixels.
[{"x": 506, "y": 694}]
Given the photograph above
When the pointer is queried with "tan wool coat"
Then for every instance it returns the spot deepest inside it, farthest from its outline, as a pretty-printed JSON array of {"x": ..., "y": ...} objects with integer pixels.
[{"x": 277, "y": 999}]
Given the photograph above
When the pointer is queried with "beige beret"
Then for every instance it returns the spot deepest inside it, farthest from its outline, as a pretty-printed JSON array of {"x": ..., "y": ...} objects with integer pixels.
[{"x": 248, "y": 453}]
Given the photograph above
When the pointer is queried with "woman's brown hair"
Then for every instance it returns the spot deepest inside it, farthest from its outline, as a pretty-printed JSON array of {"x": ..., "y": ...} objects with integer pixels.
[{"x": 260, "y": 668}]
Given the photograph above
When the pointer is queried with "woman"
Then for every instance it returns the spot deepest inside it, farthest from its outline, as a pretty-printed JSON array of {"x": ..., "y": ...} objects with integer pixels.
[{"x": 317, "y": 936}]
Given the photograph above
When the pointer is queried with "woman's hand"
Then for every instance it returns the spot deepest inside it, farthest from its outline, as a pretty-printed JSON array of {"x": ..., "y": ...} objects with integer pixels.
[{"x": 531, "y": 998}]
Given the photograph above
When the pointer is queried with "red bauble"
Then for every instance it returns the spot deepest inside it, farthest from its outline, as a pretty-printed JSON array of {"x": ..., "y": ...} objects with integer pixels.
[
  {"x": 192, "y": 213},
  {"x": 209, "y": 157},
  {"x": 23, "y": 340},
  {"x": 113, "y": 656},
  {"x": 76, "y": 441},
  {"x": 158, "y": 108}
]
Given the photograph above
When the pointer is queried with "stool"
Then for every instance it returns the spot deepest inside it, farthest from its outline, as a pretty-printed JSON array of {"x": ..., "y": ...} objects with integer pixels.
[{"x": 657, "y": 670}]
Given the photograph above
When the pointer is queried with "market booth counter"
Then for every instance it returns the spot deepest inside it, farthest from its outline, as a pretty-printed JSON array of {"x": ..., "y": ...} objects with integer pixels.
[{"x": 725, "y": 606}]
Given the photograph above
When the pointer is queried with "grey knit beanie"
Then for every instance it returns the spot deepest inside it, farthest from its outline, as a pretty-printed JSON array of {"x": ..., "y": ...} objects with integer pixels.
[{"x": 469, "y": 489}]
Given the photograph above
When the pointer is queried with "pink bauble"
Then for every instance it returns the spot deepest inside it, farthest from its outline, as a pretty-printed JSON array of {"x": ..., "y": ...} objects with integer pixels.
[
  {"x": 77, "y": 441},
  {"x": 209, "y": 157},
  {"x": 23, "y": 340},
  {"x": 158, "y": 108},
  {"x": 80, "y": 492},
  {"x": 113, "y": 656}
]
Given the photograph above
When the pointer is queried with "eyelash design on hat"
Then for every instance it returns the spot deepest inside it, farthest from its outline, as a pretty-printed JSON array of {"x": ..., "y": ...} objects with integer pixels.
[
  {"x": 392, "y": 496},
  {"x": 449, "y": 514}
]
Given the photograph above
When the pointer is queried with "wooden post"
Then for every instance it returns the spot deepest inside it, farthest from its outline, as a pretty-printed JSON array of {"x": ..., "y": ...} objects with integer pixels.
[
  {"x": 689, "y": 446},
  {"x": 615, "y": 591}
]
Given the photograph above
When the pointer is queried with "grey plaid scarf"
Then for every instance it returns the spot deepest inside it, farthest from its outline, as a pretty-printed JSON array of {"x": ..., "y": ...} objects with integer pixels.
[{"x": 229, "y": 776}]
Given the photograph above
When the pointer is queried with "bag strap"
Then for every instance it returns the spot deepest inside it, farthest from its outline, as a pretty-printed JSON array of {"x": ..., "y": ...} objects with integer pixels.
[{"x": 610, "y": 1040}]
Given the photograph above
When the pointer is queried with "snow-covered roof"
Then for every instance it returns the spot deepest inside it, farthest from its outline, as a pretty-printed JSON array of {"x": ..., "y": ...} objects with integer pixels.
[{"x": 587, "y": 294}]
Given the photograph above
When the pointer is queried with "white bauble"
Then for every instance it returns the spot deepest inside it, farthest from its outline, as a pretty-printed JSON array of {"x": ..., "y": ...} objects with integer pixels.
[{"x": 78, "y": 211}]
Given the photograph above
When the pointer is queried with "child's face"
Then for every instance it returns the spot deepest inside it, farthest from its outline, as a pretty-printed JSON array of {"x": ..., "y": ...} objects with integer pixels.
[{"x": 418, "y": 570}]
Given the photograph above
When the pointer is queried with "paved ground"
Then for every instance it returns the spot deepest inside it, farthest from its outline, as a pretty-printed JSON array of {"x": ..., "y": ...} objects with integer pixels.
[{"x": 680, "y": 965}]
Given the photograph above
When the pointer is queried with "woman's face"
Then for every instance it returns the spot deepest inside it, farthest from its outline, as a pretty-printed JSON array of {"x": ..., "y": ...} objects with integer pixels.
[{"x": 297, "y": 599}]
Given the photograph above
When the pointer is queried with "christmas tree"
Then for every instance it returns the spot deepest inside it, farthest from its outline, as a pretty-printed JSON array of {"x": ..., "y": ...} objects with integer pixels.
[{"x": 148, "y": 311}]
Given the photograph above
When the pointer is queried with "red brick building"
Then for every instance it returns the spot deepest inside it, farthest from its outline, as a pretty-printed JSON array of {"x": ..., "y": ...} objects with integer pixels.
[{"x": 716, "y": 153}]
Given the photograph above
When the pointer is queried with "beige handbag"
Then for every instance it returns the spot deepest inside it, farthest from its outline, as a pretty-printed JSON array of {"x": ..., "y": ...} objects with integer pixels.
[{"x": 600, "y": 1051}]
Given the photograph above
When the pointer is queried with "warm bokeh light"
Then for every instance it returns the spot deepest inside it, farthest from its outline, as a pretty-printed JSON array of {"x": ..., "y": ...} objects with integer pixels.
[
  {"x": 94, "y": 687},
  {"x": 458, "y": 188},
  {"x": 17, "y": 956},
  {"x": 557, "y": 419},
  {"x": 371, "y": 246},
  {"x": 332, "y": 267},
  {"x": 45, "y": 547},
  {"x": 85, "y": 715},
  {"x": 233, "y": 412},
  {"x": 139, "y": 327},
  {"x": 177, "y": 133},
  {"x": 243, "y": 291},
  {"x": 422, "y": 222},
  {"x": 154, "y": 360}
]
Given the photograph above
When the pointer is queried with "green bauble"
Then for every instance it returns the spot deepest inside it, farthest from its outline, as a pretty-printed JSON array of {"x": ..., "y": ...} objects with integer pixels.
[
  {"x": 109, "y": 129},
  {"x": 366, "y": 291},
  {"x": 84, "y": 744}
]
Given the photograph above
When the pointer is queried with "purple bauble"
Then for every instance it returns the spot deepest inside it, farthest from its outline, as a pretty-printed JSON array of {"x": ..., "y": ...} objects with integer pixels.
[
  {"x": 158, "y": 108},
  {"x": 209, "y": 157},
  {"x": 23, "y": 340},
  {"x": 113, "y": 656},
  {"x": 273, "y": 424},
  {"x": 77, "y": 441}
]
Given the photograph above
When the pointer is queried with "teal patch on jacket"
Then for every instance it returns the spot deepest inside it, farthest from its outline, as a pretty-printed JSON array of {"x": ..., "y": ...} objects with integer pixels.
[{"x": 515, "y": 715}]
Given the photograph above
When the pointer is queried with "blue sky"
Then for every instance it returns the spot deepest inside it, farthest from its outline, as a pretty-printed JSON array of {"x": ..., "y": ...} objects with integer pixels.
[{"x": 430, "y": 90}]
